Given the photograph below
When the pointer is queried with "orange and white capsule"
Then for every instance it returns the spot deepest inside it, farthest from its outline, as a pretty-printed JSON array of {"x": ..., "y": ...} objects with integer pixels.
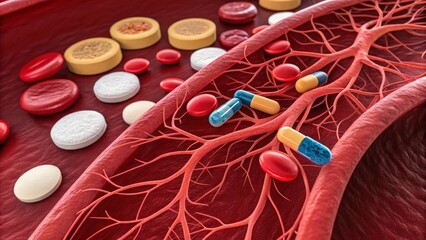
[
  {"x": 308, "y": 147},
  {"x": 311, "y": 81},
  {"x": 257, "y": 102}
]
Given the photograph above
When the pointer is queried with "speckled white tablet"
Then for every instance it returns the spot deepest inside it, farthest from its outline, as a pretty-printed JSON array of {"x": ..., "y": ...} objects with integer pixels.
[
  {"x": 116, "y": 87},
  {"x": 276, "y": 17},
  {"x": 78, "y": 130},
  {"x": 133, "y": 111},
  {"x": 38, "y": 183},
  {"x": 205, "y": 56}
]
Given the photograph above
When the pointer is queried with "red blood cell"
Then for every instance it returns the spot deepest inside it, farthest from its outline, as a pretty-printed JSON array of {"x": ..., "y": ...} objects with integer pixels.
[
  {"x": 259, "y": 28},
  {"x": 201, "y": 105},
  {"x": 286, "y": 72},
  {"x": 278, "y": 165},
  {"x": 136, "y": 65},
  {"x": 168, "y": 56},
  {"x": 232, "y": 38},
  {"x": 237, "y": 12},
  {"x": 4, "y": 131},
  {"x": 169, "y": 84},
  {"x": 49, "y": 96},
  {"x": 41, "y": 67},
  {"x": 277, "y": 47}
]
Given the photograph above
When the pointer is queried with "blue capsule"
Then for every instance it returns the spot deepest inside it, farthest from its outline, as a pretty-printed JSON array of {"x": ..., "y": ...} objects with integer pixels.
[
  {"x": 314, "y": 151},
  {"x": 311, "y": 81},
  {"x": 308, "y": 147},
  {"x": 219, "y": 116},
  {"x": 257, "y": 102}
]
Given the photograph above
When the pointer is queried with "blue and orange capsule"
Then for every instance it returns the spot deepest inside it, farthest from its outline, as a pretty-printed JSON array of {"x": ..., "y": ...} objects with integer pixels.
[
  {"x": 222, "y": 114},
  {"x": 311, "y": 81},
  {"x": 308, "y": 147},
  {"x": 257, "y": 102}
]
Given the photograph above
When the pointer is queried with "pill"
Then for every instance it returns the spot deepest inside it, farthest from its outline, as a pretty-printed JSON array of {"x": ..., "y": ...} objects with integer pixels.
[
  {"x": 168, "y": 56},
  {"x": 78, "y": 130},
  {"x": 277, "y": 47},
  {"x": 38, "y": 183},
  {"x": 233, "y": 37},
  {"x": 219, "y": 116},
  {"x": 116, "y": 87},
  {"x": 136, "y": 32},
  {"x": 237, "y": 12},
  {"x": 135, "y": 110},
  {"x": 276, "y": 17},
  {"x": 201, "y": 105},
  {"x": 205, "y": 56},
  {"x": 169, "y": 84},
  {"x": 308, "y": 147},
  {"x": 279, "y": 5},
  {"x": 4, "y": 131},
  {"x": 136, "y": 65},
  {"x": 93, "y": 56},
  {"x": 49, "y": 97},
  {"x": 278, "y": 165},
  {"x": 41, "y": 67},
  {"x": 286, "y": 72},
  {"x": 192, "y": 33},
  {"x": 311, "y": 81},
  {"x": 257, "y": 102}
]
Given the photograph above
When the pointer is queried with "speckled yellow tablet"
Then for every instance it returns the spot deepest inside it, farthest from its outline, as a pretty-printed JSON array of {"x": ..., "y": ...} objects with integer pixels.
[
  {"x": 136, "y": 32},
  {"x": 93, "y": 56},
  {"x": 279, "y": 5},
  {"x": 192, "y": 33}
]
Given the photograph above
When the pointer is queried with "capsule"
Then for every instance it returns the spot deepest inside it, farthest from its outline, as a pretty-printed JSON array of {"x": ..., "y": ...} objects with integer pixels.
[
  {"x": 311, "y": 81},
  {"x": 308, "y": 147},
  {"x": 257, "y": 102},
  {"x": 219, "y": 116}
]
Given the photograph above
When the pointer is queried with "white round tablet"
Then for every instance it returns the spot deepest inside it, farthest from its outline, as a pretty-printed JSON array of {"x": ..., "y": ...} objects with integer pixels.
[
  {"x": 38, "y": 183},
  {"x": 276, "y": 17},
  {"x": 78, "y": 130},
  {"x": 205, "y": 56},
  {"x": 133, "y": 111},
  {"x": 116, "y": 87}
]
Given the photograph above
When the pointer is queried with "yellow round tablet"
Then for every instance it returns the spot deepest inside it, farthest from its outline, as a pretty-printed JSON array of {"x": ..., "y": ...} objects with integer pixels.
[
  {"x": 93, "y": 56},
  {"x": 192, "y": 33},
  {"x": 136, "y": 32},
  {"x": 279, "y": 5}
]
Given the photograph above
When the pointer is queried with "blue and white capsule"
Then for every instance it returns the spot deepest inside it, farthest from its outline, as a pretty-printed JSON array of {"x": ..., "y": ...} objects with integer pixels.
[
  {"x": 308, "y": 147},
  {"x": 257, "y": 102},
  {"x": 311, "y": 81},
  {"x": 219, "y": 116}
]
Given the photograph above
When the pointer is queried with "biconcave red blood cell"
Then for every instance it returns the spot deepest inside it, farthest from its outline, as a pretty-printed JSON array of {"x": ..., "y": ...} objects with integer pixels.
[
  {"x": 41, "y": 67},
  {"x": 277, "y": 47},
  {"x": 4, "y": 131},
  {"x": 237, "y": 12},
  {"x": 168, "y": 56},
  {"x": 286, "y": 72},
  {"x": 233, "y": 37},
  {"x": 49, "y": 97},
  {"x": 259, "y": 28},
  {"x": 136, "y": 65},
  {"x": 201, "y": 105},
  {"x": 169, "y": 84},
  {"x": 278, "y": 165}
]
